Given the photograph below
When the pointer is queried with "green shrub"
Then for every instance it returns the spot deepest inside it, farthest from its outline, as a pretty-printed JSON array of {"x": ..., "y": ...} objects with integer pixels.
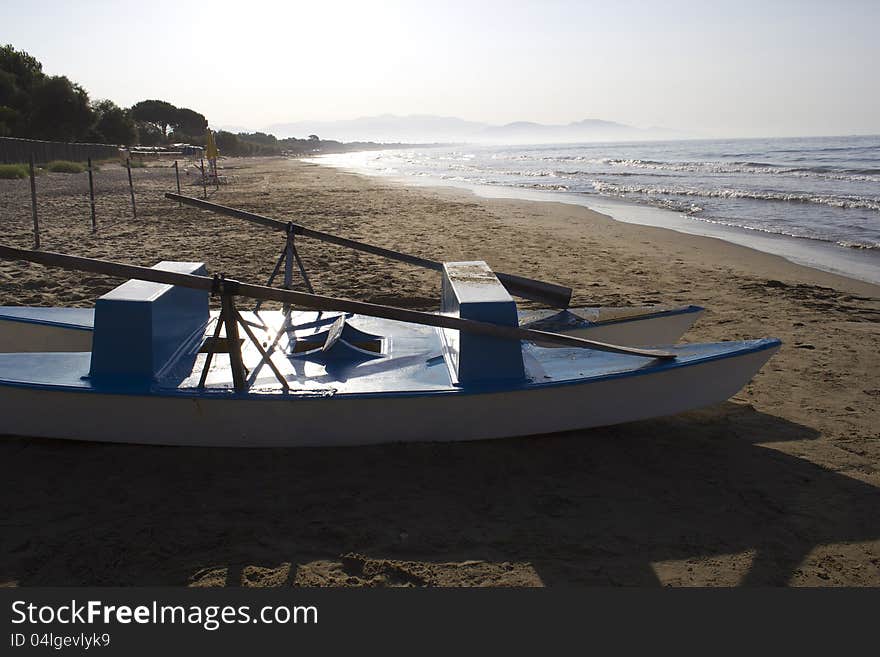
[
  {"x": 63, "y": 166},
  {"x": 10, "y": 171},
  {"x": 138, "y": 164}
]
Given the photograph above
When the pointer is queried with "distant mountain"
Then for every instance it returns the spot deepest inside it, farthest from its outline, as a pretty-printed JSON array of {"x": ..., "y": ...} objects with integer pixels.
[
  {"x": 428, "y": 128},
  {"x": 586, "y": 130},
  {"x": 385, "y": 128}
]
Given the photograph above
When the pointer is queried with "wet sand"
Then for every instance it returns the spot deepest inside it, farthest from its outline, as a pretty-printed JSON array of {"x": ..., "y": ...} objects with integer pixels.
[{"x": 778, "y": 486}]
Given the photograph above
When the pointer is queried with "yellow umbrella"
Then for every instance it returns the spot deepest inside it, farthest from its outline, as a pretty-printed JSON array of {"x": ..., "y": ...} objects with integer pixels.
[{"x": 211, "y": 151}]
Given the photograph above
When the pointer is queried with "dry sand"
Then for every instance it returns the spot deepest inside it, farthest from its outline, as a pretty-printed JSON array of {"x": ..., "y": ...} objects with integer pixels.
[{"x": 778, "y": 486}]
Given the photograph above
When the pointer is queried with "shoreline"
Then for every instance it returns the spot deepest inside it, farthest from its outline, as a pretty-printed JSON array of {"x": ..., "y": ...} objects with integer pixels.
[
  {"x": 758, "y": 262},
  {"x": 821, "y": 256},
  {"x": 778, "y": 486}
]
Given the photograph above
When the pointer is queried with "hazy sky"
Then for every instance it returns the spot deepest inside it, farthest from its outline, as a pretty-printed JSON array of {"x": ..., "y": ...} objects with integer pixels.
[{"x": 734, "y": 69}]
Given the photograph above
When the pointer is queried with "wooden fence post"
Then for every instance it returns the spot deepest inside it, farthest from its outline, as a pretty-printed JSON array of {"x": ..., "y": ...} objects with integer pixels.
[
  {"x": 177, "y": 176},
  {"x": 134, "y": 213},
  {"x": 92, "y": 197},
  {"x": 34, "y": 205}
]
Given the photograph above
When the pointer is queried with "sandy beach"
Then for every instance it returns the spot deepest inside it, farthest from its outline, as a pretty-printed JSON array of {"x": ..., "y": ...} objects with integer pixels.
[{"x": 779, "y": 486}]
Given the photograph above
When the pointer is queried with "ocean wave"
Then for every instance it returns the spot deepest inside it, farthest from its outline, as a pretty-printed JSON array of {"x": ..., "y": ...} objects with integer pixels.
[
  {"x": 635, "y": 167},
  {"x": 752, "y": 167},
  {"x": 732, "y": 167},
  {"x": 527, "y": 173},
  {"x": 562, "y": 173},
  {"x": 846, "y": 203},
  {"x": 551, "y": 187},
  {"x": 859, "y": 245},
  {"x": 869, "y": 148},
  {"x": 794, "y": 231}
]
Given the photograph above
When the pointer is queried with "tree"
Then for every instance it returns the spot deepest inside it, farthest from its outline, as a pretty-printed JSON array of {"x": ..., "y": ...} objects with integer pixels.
[
  {"x": 9, "y": 91},
  {"x": 19, "y": 72},
  {"x": 113, "y": 125},
  {"x": 189, "y": 122},
  {"x": 11, "y": 104},
  {"x": 148, "y": 135},
  {"x": 155, "y": 113},
  {"x": 9, "y": 120},
  {"x": 26, "y": 70},
  {"x": 60, "y": 110},
  {"x": 314, "y": 138},
  {"x": 259, "y": 138},
  {"x": 227, "y": 142},
  {"x": 34, "y": 105}
]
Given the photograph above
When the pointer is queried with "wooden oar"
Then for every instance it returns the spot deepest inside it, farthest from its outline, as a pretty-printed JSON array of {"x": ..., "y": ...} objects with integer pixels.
[
  {"x": 314, "y": 301},
  {"x": 552, "y": 294}
]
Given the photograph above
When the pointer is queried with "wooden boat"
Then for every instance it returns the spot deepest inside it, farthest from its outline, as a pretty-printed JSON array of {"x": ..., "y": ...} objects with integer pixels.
[
  {"x": 163, "y": 371},
  {"x": 25, "y": 328}
]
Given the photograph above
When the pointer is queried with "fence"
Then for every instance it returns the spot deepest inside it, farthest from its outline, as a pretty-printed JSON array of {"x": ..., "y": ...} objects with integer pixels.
[
  {"x": 65, "y": 206},
  {"x": 14, "y": 150}
]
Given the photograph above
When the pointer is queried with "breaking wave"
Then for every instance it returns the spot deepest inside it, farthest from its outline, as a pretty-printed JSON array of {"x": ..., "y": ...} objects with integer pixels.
[
  {"x": 847, "y": 203},
  {"x": 798, "y": 232},
  {"x": 739, "y": 167}
]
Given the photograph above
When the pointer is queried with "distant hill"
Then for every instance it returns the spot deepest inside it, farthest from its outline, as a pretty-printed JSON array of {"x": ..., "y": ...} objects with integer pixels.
[
  {"x": 386, "y": 127},
  {"x": 428, "y": 128},
  {"x": 586, "y": 130}
]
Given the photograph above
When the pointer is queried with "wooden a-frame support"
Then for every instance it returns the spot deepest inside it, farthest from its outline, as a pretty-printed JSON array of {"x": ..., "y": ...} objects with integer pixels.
[
  {"x": 289, "y": 256},
  {"x": 231, "y": 319}
]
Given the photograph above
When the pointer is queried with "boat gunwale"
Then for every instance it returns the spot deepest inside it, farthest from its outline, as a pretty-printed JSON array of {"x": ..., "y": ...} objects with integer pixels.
[
  {"x": 586, "y": 323},
  {"x": 45, "y": 322},
  {"x": 677, "y": 310},
  {"x": 208, "y": 393}
]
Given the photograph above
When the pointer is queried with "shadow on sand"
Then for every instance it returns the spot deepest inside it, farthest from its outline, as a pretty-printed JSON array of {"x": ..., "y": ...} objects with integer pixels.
[{"x": 584, "y": 508}]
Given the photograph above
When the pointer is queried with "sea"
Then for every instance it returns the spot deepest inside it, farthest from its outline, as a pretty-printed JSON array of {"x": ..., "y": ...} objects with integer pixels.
[{"x": 815, "y": 200}]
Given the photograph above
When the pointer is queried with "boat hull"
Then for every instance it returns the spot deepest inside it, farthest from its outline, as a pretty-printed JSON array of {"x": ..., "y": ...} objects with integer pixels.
[{"x": 254, "y": 420}]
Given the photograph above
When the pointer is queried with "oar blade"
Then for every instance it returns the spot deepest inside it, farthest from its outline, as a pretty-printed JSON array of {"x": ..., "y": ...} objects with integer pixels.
[{"x": 555, "y": 296}]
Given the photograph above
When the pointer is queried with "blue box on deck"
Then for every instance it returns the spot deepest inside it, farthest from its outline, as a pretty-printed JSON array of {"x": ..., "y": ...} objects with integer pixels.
[
  {"x": 140, "y": 325},
  {"x": 470, "y": 290}
]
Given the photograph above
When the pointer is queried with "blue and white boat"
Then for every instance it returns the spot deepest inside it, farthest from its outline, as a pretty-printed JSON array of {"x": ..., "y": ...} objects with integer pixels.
[{"x": 163, "y": 370}]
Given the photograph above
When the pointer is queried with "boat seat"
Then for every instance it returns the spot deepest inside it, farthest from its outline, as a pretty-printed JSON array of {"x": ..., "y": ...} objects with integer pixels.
[
  {"x": 340, "y": 342},
  {"x": 140, "y": 326},
  {"x": 470, "y": 290}
]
